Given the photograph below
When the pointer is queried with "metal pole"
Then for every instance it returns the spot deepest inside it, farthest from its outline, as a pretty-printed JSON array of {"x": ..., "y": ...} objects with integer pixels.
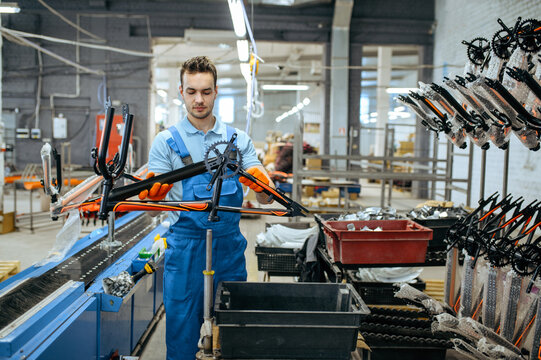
[
  {"x": 208, "y": 275},
  {"x": 297, "y": 156},
  {"x": 31, "y": 212},
  {"x": 483, "y": 174},
  {"x": 505, "y": 171},
  {"x": 208, "y": 295},
  {"x": 384, "y": 164},
  {"x": 470, "y": 169},
  {"x": 111, "y": 226},
  {"x": 434, "y": 166},
  {"x": 390, "y": 154},
  {"x": 449, "y": 170}
]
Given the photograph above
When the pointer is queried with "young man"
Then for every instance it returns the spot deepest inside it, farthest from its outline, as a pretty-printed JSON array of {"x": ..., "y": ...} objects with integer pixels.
[{"x": 184, "y": 143}]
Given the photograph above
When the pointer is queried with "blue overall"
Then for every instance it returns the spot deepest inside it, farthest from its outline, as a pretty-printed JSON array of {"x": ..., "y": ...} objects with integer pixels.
[{"x": 185, "y": 256}]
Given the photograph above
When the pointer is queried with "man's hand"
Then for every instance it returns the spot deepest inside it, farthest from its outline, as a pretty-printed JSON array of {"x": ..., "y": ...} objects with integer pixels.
[
  {"x": 260, "y": 173},
  {"x": 157, "y": 192}
]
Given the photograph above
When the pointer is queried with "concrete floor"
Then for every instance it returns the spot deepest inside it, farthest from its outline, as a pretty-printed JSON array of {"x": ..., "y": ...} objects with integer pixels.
[{"x": 29, "y": 247}]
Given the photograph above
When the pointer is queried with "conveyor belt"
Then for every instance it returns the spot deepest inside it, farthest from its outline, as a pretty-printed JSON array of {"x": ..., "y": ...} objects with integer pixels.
[{"x": 84, "y": 266}]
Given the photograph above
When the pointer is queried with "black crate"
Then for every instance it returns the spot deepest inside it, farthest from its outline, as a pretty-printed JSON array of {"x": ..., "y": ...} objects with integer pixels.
[
  {"x": 288, "y": 320},
  {"x": 439, "y": 231},
  {"x": 276, "y": 260},
  {"x": 376, "y": 293},
  {"x": 279, "y": 261}
]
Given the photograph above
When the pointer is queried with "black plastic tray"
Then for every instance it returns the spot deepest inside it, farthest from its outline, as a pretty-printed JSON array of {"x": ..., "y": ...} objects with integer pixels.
[
  {"x": 439, "y": 231},
  {"x": 376, "y": 293},
  {"x": 288, "y": 320}
]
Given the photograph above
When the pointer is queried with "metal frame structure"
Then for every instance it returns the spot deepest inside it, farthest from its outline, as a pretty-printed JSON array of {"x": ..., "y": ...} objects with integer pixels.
[{"x": 386, "y": 174}]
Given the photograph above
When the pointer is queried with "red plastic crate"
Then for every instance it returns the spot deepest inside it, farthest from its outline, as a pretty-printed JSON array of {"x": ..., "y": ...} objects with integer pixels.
[{"x": 400, "y": 242}]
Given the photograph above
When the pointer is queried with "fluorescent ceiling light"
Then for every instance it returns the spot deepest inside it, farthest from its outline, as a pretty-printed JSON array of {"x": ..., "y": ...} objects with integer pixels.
[
  {"x": 9, "y": 8},
  {"x": 246, "y": 73},
  {"x": 177, "y": 102},
  {"x": 284, "y": 87},
  {"x": 162, "y": 93},
  {"x": 243, "y": 50},
  {"x": 237, "y": 15},
  {"x": 399, "y": 90}
]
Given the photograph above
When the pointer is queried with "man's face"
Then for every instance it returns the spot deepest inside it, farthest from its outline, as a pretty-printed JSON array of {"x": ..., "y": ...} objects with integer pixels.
[{"x": 199, "y": 92}]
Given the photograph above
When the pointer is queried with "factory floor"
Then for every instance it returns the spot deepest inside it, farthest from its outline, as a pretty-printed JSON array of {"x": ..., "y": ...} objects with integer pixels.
[{"x": 28, "y": 247}]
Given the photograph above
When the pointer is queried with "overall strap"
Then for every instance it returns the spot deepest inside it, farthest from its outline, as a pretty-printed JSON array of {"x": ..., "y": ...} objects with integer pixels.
[{"x": 177, "y": 144}]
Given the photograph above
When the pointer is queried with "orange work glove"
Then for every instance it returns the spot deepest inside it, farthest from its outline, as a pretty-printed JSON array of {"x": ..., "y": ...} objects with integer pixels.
[
  {"x": 255, "y": 172},
  {"x": 157, "y": 192}
]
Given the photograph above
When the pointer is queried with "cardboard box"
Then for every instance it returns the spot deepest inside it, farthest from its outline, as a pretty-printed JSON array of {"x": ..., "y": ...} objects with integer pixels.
[
  {"x": 313, "y": 164},
  {"x": 332, "y": 193},
  {"x": 308, "y": 191}
]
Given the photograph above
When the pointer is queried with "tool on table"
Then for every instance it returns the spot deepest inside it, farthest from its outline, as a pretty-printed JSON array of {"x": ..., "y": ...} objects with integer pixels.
[{"x": 121, "y": 284}]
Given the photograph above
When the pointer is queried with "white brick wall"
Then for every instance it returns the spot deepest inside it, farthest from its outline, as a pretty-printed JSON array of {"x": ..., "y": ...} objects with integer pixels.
[{"x": 459, "y": 20}]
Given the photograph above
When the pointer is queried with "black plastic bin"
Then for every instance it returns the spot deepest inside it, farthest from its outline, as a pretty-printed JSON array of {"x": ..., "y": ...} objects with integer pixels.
[
  {"x": 288, "y": 320},
  {"x": 439, "y": 231},
  {"x": 377, "y": 293}
]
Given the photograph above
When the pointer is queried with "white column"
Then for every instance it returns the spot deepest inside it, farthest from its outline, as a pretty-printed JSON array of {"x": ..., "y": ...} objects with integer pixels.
[
  {"x": 384, "y": 80},
  {"x": 173, "y": 93}
]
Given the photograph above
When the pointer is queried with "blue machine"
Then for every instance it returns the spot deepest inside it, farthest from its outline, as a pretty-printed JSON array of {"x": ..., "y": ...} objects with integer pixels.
[{"x": 78, "y": 320}]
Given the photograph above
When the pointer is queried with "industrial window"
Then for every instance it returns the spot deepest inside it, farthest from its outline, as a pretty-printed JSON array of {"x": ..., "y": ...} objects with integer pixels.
[{"x": 226, "y": 109}]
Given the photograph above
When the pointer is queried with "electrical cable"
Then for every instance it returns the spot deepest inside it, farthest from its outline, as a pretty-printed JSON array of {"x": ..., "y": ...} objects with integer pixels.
[
  {"x": 78, "y": 43},
  {"x": 50, "y": 8},
  {"x": 254, "y": 68},
  {"x": 48, "y": 52}
]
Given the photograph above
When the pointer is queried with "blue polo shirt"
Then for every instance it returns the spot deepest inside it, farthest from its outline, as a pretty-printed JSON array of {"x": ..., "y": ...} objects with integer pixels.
[{"x": 163, "y": 159}]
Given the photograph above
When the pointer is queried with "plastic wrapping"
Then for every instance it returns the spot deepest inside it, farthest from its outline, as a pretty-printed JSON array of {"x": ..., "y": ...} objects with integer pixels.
[
  {"x": 388, "y": 275},
  {"x": 492, "y": 295},
  {"x": 47, "y": 173},
  {"x": 488, "y": 311},
  {"x": 526, "y": 312},
  {"x": 477, "y": 134},
  {"x": 495, "y": 65},
  {"x": 285, "y": 237},
  {"x": 469, "y": 350},
  {"x": 534, "y": 343},
  {"x": 470, "y": 68},
  {"x": 65, "y": 239},
  {"x": 496, "y": 351},
  {"x": 475, "y": 330},
  {"x": 518, "y": 89},
  {"x": 420, "y": 113},
  {"x": 432, "y": 306},
  {"x": 528, "y": 137},
  {"x": 498, "y": 135},
  {"x": 78, "y": 194},
  {"x": 467, "y": 295},
  {"x": 533, "y": 102},
  {"x": 452, "y": 283},
  {"x": 512, "y": 289}
]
